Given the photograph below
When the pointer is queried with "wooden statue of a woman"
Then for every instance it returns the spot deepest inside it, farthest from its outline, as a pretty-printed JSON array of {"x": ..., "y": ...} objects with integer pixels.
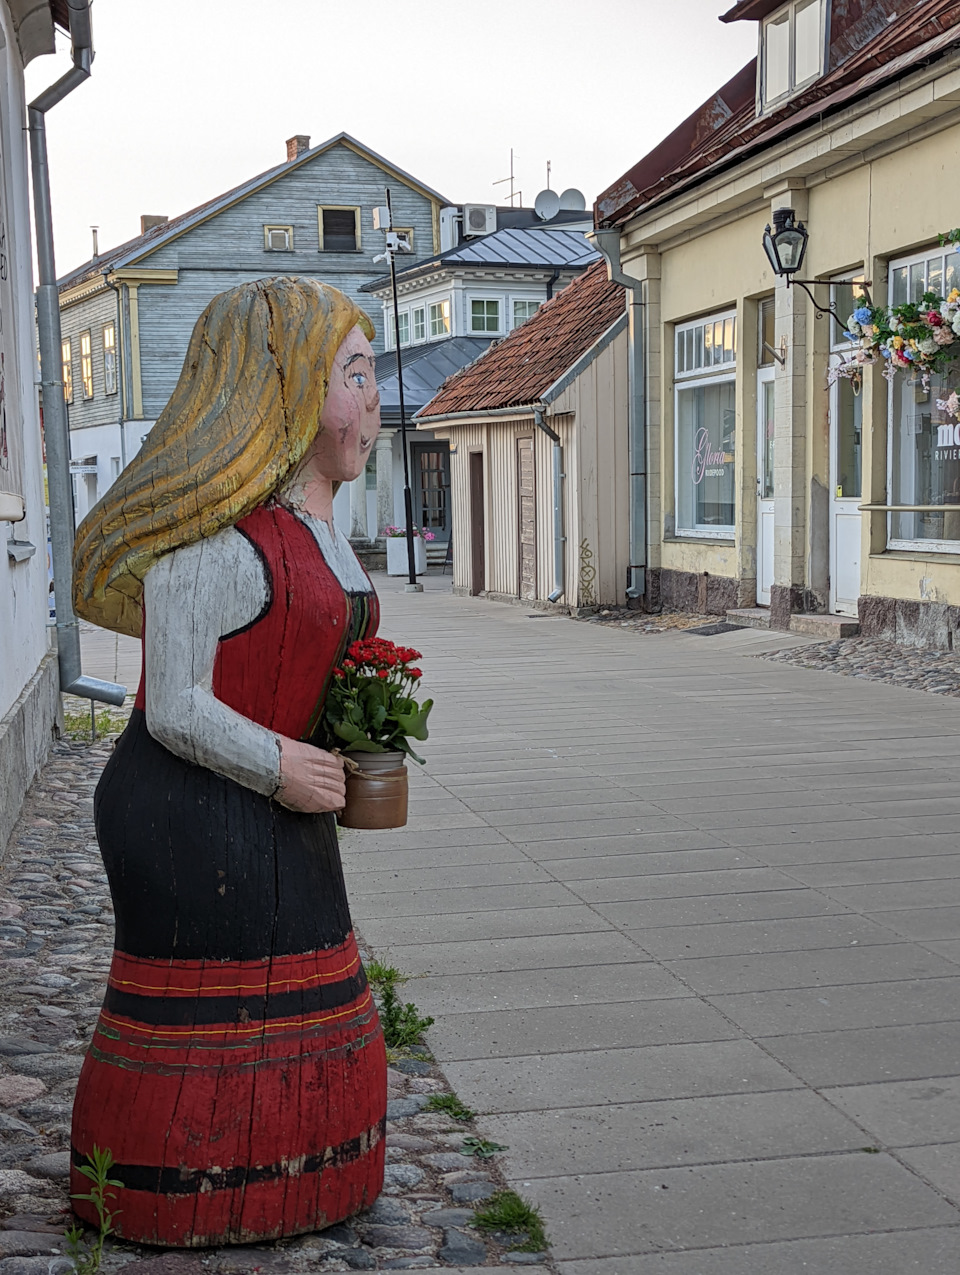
[{"x": 237, "y": 1071}]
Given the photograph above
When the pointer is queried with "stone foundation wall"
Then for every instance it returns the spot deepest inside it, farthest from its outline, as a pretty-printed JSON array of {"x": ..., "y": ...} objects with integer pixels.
[
  {"x": 26, "y": 734},
  {"x": 934, "y": 625},
  {"x": 693, "y": 591}
]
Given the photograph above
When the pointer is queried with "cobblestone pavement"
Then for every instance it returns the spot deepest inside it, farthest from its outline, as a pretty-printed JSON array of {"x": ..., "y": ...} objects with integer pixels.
[
  {"x": 935, "y": 671},
  {"x": 56, "y": 932},
  {"x": 642, "y": 622}
]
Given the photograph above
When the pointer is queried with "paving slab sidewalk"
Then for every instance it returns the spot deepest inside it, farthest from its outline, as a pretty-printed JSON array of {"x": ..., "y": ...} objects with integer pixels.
[{"x": 689, "y": 924}]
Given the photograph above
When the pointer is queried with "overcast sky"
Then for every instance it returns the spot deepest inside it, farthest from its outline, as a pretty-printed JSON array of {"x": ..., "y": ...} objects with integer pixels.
[{"x": 191, "y": 97}]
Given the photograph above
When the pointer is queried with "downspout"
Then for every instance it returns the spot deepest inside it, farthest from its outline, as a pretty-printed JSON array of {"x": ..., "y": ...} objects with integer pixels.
[
  {"x": 607, "y": 242},
  {"x": 558, "y": 536},
  {"x": 551, "y": 281},
  {"x": 56, "y": 429}
]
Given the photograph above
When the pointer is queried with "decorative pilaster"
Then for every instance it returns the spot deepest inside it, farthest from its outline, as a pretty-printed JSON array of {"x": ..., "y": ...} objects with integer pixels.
[
  {"x": 383, "y": 452},
  {"x": 790, "y": 497},
  {"x": 358, "y": 508}
]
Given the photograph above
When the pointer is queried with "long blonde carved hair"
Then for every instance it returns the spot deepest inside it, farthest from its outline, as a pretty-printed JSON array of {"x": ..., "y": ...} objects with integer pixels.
[{"x": 245, "y": 410}]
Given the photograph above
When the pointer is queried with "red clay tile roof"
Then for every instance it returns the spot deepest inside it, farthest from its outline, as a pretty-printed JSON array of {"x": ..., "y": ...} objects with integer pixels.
[
  {"x": 874, "y": 41},
  {"x": 523, "y": 366}
]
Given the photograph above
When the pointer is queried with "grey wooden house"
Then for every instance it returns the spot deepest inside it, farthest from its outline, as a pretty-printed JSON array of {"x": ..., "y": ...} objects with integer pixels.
[{"x": 127, "y": 314}]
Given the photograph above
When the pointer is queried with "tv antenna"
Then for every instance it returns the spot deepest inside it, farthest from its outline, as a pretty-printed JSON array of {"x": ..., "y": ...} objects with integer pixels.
[{"x": 510, "y": 179}]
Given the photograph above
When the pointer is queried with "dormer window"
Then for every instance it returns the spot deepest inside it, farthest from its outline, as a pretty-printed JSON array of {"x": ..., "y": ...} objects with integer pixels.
[{"x": 791, "y": 50}]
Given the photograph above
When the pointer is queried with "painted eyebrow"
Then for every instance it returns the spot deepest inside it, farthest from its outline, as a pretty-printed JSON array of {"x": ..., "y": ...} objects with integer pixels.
[{"x": 353, "y": 358}]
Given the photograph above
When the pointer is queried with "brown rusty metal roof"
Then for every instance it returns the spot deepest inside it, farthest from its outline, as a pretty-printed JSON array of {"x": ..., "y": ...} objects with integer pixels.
[
  {"x": 754, "y": 9},
  {"x": 522, "y": 367},
  {"x": 60, "y": 13},
  {"x": 866, "y": 51}
]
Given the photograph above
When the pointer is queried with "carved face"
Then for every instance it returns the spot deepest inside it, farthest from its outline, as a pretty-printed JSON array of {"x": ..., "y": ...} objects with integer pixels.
[{"x": 350, "y": 421}]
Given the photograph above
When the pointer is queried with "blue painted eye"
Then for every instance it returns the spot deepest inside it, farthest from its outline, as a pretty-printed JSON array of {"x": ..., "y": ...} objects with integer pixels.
[{"x": 359, "y": 378}]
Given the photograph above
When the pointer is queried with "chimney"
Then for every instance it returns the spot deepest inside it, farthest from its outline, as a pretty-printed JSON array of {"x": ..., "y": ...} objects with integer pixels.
[
  {"x": 147, "y": 222},
  {"x": 297, "y": 145}
]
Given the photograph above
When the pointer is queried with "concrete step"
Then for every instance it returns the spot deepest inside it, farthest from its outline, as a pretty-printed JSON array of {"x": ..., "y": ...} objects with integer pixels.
[
  {"x": 824, "y": 626},
  {"x": 750, "y": 617}
]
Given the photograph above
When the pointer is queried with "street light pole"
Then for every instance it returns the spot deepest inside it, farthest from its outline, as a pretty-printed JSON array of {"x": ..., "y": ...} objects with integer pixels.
[{"x": 392, "y": 248}]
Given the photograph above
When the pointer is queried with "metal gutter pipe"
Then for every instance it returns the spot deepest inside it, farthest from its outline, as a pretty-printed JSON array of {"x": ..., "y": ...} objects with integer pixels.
[
  {"x": 121, "y": 382},
  {"x": 607, "y": 242},
  {"x": 56, "y": 430},
  {"x": 559, "y": 539}
]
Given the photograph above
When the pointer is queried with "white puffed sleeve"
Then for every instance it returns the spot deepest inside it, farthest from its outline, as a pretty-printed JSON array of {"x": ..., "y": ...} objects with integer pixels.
[{"x": 192, "y": 598}]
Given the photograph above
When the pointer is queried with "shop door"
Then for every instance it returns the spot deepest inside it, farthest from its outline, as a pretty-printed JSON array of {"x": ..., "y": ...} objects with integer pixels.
[
  {"x": 478, "y": 552},
  {"x": 846, "y": 428},
  {"x": 765, "y": 384},
  {"x": 431, "y": 464},
  {"x": 527, "y": 512}
]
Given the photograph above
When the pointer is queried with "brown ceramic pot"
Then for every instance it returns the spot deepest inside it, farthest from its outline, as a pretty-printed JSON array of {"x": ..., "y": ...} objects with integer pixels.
[{"x": 376, "y": 791}]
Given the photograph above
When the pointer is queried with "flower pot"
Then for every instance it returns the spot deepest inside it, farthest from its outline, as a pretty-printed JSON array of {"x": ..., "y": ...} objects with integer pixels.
[
  {"x": 397, "y": 555},
  {"x": 376, "y": 791}
]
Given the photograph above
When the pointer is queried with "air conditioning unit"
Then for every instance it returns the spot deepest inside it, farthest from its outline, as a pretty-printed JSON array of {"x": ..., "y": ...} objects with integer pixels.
[{"x": 479, "y": 219}]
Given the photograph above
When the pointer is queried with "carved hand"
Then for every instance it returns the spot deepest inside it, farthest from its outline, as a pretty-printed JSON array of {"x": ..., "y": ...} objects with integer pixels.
[{"x": 311, "y": 780}]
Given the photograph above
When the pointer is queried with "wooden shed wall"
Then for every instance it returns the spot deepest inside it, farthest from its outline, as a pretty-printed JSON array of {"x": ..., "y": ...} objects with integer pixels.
[
  {"x": 90, "y": 315},
  {"x": 599, "y": 542}
]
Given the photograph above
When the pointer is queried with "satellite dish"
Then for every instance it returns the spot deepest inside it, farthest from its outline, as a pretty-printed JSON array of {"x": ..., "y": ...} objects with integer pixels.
[
  {"x": 572, "y": 200},
  {"x": 547, "y": 205}
]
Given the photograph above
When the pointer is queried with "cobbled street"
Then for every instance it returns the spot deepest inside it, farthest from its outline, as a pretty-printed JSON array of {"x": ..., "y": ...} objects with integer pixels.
[
  {"x": 687, "y": 920},
  {"x": 56, "y": 936}
]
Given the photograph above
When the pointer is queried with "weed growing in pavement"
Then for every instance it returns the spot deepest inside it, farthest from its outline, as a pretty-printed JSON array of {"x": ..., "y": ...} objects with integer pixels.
[
  {"x": 450, "y": 1105},
  {"x": 77, "y": 726},
  {"x": 86, "y": 1258},
  {"x": 506, "y": 1211},
  {"x": 401, "y": 1022},
  {"x": 480, "y": 1148}
]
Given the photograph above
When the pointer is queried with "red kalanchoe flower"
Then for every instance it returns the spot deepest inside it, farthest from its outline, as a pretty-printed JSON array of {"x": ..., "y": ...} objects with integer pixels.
[
  {"x": 338, "y": 672},
  {"x": 383, "y": 673},
  {"x": 415, "y": 673}
]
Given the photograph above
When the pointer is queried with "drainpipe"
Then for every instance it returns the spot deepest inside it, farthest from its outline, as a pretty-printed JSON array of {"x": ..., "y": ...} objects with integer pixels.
[
  {"x": 56, "y": 429},
  {"x": 550, "y": 283},
  {"x": 607, "y": 242},
  {"x": 558, "y": 536}
]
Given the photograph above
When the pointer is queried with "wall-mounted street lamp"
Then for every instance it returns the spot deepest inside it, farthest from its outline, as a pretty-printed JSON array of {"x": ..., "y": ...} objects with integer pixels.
[{"x": 786, "y": 246}]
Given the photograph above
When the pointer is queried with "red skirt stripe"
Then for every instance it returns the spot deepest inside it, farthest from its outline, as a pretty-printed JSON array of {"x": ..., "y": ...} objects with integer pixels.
[{"x": 213, "y": 978}]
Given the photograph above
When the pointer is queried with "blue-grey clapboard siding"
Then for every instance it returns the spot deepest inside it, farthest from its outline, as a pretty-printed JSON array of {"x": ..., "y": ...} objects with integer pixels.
[{"x": 91, "y": 315}]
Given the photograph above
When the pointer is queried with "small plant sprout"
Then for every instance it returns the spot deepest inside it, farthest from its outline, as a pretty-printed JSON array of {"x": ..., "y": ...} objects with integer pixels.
[
  {"x": 510, "y": 1213},
  {"x": 402, "y": 1024},
  {"x": 450, "y": 1105},
  {"x": 480, "y": 1148},
  {"x": 85, "y": 1257}
]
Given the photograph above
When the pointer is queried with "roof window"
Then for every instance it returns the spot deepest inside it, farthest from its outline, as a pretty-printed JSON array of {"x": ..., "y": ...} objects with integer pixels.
[{"x": 791, "y": 50}]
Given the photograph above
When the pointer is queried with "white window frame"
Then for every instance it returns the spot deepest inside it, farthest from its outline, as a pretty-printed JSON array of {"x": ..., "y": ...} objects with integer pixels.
[
  {"x": 322, "y": 208},
  {"x": 404, "y": 316},
  {"x": 897, "y": 544},
  {"x": 679, "y": 332},
  {"x": 793, "y": 85},
  {"x": 514, "y": 301},
  {"x": 498, "y": 301},
  {"x": 66, "y": 368},
  {"x": 727, "y": 532},
  {"x": 86, "y": 365},
  {"x": 431, "y": 306},
  {"x": 286, "y": 230},
  {"x": 112, "y": 328},
  {"x": 422, "y": 311}
]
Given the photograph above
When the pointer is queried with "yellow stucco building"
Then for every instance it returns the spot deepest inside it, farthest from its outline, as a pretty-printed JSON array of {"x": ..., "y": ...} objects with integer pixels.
[{"x": 767, "y": 487}]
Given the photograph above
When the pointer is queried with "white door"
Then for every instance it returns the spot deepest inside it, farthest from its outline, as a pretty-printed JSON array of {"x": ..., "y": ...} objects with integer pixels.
[
  {"x": 846, "y": 427},
  {"x": 764, "y": 484}
]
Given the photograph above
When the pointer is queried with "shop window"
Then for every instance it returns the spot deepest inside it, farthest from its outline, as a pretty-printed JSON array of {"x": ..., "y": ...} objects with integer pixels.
[
  {"x": 110, "y": 358},
  {"x": 705, "y": 423},
  {"x": 923, "y": 447}
]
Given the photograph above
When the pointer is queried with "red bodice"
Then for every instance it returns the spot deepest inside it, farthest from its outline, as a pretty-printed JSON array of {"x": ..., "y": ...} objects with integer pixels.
[{"x": 276, "y": 670}]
